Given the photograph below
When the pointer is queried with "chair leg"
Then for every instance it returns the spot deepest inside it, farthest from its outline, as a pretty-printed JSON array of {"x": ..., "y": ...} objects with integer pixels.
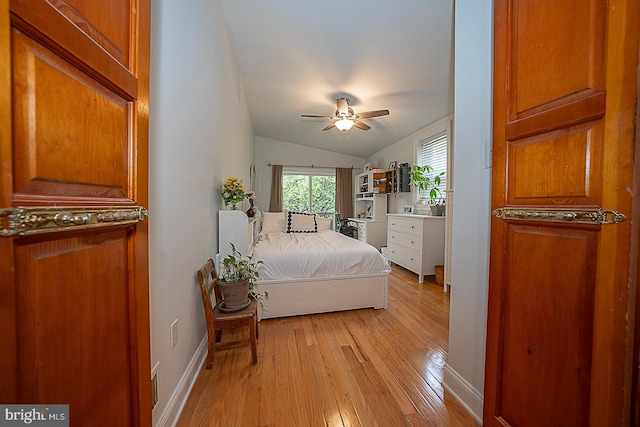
[
  {"x": 211, "y": 352},
  {"x": 257, "y": 329},
  {"x": 252, "y": 336}
]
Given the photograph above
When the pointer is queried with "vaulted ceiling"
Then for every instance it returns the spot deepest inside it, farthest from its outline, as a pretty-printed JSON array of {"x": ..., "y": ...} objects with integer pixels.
[{"x": 297, "y": 57}]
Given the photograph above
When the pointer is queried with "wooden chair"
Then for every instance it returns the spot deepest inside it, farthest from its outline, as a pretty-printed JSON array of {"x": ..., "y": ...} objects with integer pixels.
[{"x": 218, "y": 320}]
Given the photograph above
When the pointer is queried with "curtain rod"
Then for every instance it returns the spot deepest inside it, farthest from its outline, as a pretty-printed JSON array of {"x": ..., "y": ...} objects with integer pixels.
[{"x": 310, "y": 166}]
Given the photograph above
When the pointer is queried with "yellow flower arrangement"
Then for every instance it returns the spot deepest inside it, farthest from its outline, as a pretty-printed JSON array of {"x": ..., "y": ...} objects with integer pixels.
[{"x": 232, "y": 191}]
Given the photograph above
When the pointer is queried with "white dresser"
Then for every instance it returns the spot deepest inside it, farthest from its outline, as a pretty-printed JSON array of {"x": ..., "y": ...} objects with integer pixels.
[{"x": 416, "y": 242}]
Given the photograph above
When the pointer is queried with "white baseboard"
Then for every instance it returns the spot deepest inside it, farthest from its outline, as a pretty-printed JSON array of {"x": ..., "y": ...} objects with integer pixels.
[
  {"x": 470, "y": 398},
  {"x": 178, "y": 399}
]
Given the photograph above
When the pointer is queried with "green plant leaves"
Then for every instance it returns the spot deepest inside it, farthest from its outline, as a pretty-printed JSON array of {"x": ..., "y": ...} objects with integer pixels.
[
  {"x": 423, "y": 178},
  {"x": 236, "y": 268}
]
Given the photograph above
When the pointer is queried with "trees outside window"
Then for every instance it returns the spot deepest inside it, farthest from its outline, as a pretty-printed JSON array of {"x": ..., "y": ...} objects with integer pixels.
[{"x": 309, "y": 192}]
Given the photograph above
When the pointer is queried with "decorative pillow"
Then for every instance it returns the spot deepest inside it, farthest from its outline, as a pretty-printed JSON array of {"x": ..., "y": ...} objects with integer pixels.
[
  {"x": 298, "y": 222},
  {"x": 273, "y": 221},
  {"x": 324, "y": 223}
]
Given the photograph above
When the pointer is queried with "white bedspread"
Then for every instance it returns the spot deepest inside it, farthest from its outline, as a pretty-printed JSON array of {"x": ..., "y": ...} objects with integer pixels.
[{"x": 326, "y": 253}]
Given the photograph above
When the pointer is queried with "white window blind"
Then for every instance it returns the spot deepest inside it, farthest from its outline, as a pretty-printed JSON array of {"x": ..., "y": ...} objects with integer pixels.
[{"x": 432, "y": 151}]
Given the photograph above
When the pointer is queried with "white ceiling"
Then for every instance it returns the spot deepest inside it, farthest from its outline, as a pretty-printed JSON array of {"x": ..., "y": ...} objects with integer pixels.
[{"x": 296, "y": 57}]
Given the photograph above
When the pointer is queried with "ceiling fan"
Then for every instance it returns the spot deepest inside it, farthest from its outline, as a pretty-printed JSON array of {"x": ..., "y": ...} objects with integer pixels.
[{"x": 346, "y": 118}]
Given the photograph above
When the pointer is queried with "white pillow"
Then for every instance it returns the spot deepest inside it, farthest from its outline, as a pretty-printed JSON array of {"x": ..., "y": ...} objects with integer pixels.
[
  {"x": 324, "y": 223},
  {"x": 298, "y": 222},
  {"x": 273, "y": 221}
]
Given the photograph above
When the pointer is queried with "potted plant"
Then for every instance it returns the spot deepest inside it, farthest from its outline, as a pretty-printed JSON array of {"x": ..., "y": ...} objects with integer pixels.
[
  {"x": 237, "y": 281},
  {"x": 423, "y": 178}
]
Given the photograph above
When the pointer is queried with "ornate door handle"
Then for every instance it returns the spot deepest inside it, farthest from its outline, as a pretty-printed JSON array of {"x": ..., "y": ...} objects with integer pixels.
[
  {"x": 593, "y": 216},
  {"x": 24, "y": 221}
]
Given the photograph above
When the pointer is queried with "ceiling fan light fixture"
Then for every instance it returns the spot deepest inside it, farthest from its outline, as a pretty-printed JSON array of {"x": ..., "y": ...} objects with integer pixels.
[
  {"x": 344, "y": 124},
  {"x": 346, "y": 118}
]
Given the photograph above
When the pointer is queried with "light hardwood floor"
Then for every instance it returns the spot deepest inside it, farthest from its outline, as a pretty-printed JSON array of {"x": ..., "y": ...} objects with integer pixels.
[{"x": 354, "y": 368}]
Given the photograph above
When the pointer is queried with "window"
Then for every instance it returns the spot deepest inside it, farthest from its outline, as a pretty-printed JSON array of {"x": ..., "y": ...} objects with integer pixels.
[
  {"x": 433, "y": 152},
  {"x": 432, "y": 149},
  {"x": 309, "y": 191}
]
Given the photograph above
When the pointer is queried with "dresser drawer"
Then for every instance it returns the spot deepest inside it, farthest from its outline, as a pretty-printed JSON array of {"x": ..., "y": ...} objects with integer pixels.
[
  {"x": 406, "y": 225},
  {"x": 405, "y": 257},
  {"x": 408, "y": 240}
]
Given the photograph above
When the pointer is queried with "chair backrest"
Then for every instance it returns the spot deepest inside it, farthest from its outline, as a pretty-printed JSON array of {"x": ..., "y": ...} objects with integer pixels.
[{"x": 208, "y": 277}]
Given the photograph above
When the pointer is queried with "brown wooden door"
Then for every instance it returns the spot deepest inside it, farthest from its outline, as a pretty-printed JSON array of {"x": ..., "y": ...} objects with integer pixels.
[
  {"x": 564, "y": 95},
  {"x": 73, "y": 260}
]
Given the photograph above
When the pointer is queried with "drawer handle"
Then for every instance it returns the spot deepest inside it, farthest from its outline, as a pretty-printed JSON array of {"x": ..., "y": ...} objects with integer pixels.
[
  {"x": 412, "y": 242},
  {"x": 412, "y": 227}
]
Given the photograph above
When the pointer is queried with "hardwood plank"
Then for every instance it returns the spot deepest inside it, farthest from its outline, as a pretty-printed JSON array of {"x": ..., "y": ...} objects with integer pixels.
[
  {"x": 351, "y": 402},
  {"x": 354, "y": 368}
]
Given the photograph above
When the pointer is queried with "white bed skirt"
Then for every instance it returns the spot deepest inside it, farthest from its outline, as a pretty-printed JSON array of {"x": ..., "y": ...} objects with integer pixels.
[{"x": 292, "y": 297}]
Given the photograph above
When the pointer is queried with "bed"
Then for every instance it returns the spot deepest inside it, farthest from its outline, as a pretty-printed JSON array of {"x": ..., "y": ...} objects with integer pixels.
[{"x": 309, "y": 268}]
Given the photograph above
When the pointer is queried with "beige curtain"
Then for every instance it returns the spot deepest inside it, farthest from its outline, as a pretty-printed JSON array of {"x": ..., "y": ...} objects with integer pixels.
[
  {"x": 275, "y": 204},
  {"x": 344, "y": 192}
]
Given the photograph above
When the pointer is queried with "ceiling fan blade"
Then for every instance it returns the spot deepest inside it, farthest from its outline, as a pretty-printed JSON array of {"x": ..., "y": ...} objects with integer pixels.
[
  {"x": 343, "y": 106},
  {"x": 313, "y": 116},
  {"x": 369, "y": 114},
  {"x": 331, "y": 126},
  {"x": 361, "y": 125}
]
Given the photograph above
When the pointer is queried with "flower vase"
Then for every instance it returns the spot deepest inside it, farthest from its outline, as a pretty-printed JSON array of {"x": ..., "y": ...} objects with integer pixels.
[
  {"x": 251, "y": 211},
  {"x": 233, "y": 207}
]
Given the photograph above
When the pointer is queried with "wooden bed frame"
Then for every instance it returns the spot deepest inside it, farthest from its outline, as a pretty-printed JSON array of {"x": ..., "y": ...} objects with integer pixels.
[{"x": 292, "y": 297}]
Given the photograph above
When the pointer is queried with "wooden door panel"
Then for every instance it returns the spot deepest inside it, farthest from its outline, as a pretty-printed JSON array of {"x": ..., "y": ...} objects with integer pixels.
[
  {"x": 548, "y": 69},
  {"x": 556, "y": 168},
  {"x": 565, "y": 91},
  {"x": 75, "y": 300},
  {"x": 108, "y": 23},
  {"x": 53, "y": 25},
  {"x": 75, "y": 332},
  {"x": 72, "y": 134},
  {"x": 546, "y": 342}
]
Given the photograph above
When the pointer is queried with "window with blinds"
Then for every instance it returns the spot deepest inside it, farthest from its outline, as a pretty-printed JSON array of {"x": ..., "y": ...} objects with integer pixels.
[{"x": 432, "y": 151}]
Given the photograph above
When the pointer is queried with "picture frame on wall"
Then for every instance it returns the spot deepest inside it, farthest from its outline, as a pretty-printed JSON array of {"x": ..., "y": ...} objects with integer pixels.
[
  {"x": 367, "y": 167},
  {"x": 392, "y": 165}
]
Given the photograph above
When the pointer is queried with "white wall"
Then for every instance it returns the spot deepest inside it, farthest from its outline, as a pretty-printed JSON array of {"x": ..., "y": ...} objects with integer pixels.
[
  {"x": 200, "y": 133},
  {"x": 285, "y": 153},
  {"x": 464, "y": 372}
]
